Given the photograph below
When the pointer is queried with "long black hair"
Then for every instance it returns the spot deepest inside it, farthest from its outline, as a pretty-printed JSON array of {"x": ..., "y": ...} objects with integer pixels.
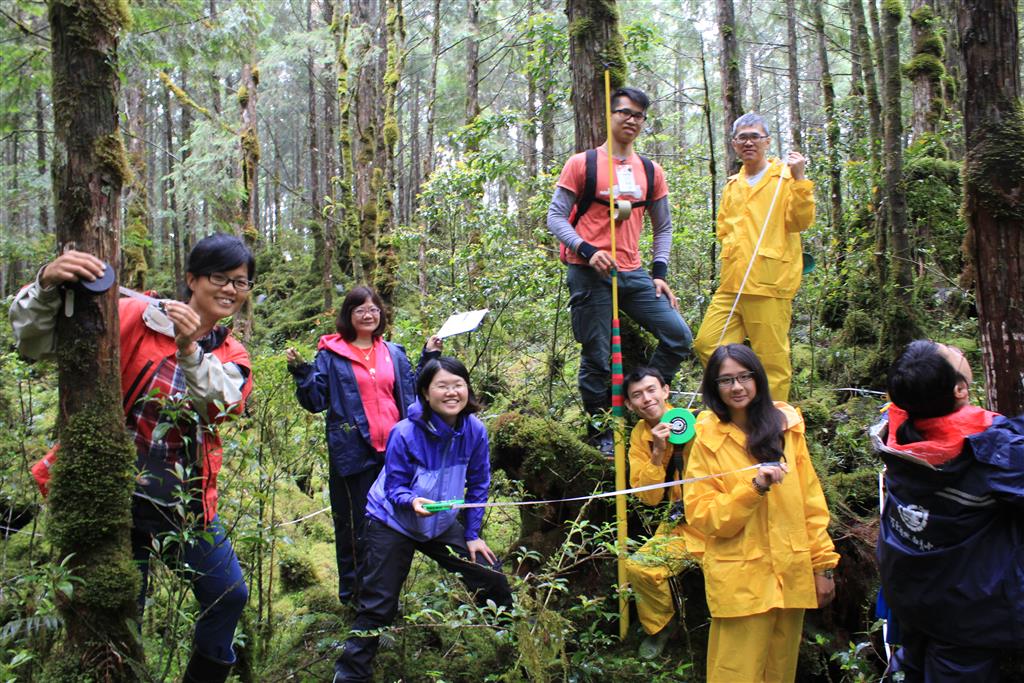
[
  {"x": 218, "y": 253},
  {"x": 454, "y": 366},
  {"x": 355, "y": 298},
  {"x": 765, "y": 423}
]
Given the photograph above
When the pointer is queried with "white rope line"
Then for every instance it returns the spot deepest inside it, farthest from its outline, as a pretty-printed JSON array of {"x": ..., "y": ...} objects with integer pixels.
[
  {"x": 750, "y": 266},
  {"x": 606, "y": 494},
  {"x": 300, "y": 519},
  {"x": 609, "y": 494}
]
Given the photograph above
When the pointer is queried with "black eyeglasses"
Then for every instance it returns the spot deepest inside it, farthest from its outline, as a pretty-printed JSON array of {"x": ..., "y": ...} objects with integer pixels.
[
  {"x": 628, "y": 114},
  {"x": 726, "y": 381},
  {"x": 240, "y": 283},
  {"x": 749, "y": 137}
]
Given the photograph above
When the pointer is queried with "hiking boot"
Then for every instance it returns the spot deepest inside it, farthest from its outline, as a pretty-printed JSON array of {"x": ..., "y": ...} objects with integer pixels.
[
  {"x": 652, "y": 646},
  {"x": 605, "y": 443}
]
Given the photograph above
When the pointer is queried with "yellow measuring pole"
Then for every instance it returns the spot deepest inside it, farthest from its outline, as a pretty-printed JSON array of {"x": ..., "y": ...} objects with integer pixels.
[{"x": 616, "y": 362}]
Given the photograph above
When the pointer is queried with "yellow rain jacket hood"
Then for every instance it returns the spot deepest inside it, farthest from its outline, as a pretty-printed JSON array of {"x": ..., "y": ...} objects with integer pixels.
[
  {"x": 777, "y": 270},
  {"x": 761, "y": 551}
]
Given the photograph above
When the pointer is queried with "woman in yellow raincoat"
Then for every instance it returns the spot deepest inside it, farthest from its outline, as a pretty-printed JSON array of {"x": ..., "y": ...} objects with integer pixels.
[{"x": 768, "y": 555}]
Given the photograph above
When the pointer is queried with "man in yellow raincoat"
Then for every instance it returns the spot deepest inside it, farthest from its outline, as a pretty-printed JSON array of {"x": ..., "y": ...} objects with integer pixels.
[
  {"x": 674, "y": 545},
  {"x": 764, "y": 310}
]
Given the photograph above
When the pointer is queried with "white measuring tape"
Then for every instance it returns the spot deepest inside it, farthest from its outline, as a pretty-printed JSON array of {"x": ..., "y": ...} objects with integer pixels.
[{"x": 608, "y": 494}]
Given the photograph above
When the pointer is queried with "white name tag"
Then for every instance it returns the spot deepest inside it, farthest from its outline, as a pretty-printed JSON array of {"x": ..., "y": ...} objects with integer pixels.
[{"x": 626, "y": 182}]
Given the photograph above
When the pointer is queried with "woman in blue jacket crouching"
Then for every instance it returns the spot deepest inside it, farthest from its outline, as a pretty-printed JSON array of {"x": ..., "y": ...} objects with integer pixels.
[{"x": 438, "y": 453}]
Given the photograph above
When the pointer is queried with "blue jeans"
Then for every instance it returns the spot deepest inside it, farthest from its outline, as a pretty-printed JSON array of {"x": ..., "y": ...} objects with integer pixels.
[
  {"x": 209, "y": 563},
  {"x": 590, "y": 300}
]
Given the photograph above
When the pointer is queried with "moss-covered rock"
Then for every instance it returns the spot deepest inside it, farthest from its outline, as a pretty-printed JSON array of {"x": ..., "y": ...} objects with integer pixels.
[{"x": 551, "y": 462}]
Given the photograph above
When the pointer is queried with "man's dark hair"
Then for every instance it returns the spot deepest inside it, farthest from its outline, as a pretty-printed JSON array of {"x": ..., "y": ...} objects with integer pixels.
[
  {"x": 635, "y": 94},
  {"x": 922, "y": 380},
  {"x": 355, "y": 298},
  {"x": 639, "y": 373}
]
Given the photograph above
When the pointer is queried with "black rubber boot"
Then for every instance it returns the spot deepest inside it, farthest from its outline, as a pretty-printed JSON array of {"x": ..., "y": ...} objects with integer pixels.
[
  {"x": 202, "y": 669},
  {"x": 602, "y": 440}
]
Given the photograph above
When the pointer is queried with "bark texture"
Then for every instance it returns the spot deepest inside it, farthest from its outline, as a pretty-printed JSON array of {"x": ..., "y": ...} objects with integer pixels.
[
  {"x": 732, "y": 88},
  {"x": 594, "y": 45},
  {"x": 994, "y": 192},
  {"x": 90, "y": 499}
]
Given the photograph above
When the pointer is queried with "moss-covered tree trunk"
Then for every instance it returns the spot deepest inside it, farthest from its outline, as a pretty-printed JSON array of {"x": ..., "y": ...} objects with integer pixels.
[
  {"x": 547, "y": 110},
  {"x": 137, "y": 217},
  {"x": 249, "y": 206},
  {"x": 859, "y": 28},
  {"x": 896, "y": 307},
  {"x": 320, "y": 265},
  {"x": 993, "y": 201},
  {"x": 90, "y": 499},
  {"x": 595, "y": 44},
  {"x": 796, "y": 124},
  {"x": 386, "y": 278},
  {"x": 828, "y": 98},
  {"x": 925, "y": 69},
  {"x": 250, "y": 144},
  {"x": 367, "y": 116},
  {"x": 330, "y": 163},
  {"x": 344, "y": 211},
  {"x": 732, "y": 88},
  {"x": 473, "y": 67}
]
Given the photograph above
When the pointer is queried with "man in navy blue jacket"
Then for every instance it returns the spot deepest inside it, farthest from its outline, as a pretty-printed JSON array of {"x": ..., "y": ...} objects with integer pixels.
[{"x": 951, "y": 542}]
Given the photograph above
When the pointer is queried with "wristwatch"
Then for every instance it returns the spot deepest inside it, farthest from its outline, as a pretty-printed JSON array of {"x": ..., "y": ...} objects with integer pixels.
[{"x": 827, "y": 573}]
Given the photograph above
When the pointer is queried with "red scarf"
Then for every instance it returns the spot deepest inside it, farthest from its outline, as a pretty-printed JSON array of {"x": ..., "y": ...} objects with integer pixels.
[{"x": 943, "y": 436}]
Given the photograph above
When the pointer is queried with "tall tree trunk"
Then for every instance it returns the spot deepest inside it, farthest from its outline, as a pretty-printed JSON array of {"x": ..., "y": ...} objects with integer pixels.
[
  {"x": 428, "y": 151},
  {"x": 320, "y": 266},
  {"x": 473, "y": 64},
  {"x": 899, "y": 324},
  {"x": 547, "y": 111},
  {"x": 925, "y": 69},
  {"x": 90, "y": 496},
  {"x": 712, "y": 168},
  {"x": 250, "y": 148},
  {"x": 137, "y": 228},
  {"x": 857, "y": 93},
  {"x": 595, "y": 44},
  {"x": 828, "y": 96},
  {"x": 367, "y": 105},
  {"x": 874, "y": 105},
  {"x": 795, "y": 120},
  {"x": 330, "y": 164},
  {"x": 250, "y": 153},
  {"x": 170, "y": 190},
  {"x": 732, "y": 89},
  {"x": 876, "y": 33},
  {"x": 188, "y": 237},
  {"x": 44, "y": 200},
  {"x": 386, "y": 279},
  {"x": 345, "y": 212},
  {"x": 993, "y": 124}
]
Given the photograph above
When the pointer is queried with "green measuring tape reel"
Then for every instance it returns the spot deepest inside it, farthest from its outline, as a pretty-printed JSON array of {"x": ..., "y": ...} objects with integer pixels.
[{"x": 680, "y": 422}]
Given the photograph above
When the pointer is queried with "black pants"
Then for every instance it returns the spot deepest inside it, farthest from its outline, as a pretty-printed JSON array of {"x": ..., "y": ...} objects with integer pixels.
[
  {"x": 348, "y": 508},
  {"x": 388, "y": 559}
]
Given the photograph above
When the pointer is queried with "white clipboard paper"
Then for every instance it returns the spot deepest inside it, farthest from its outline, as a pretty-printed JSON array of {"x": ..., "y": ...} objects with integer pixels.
[{"x": 457, "y": 323}]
